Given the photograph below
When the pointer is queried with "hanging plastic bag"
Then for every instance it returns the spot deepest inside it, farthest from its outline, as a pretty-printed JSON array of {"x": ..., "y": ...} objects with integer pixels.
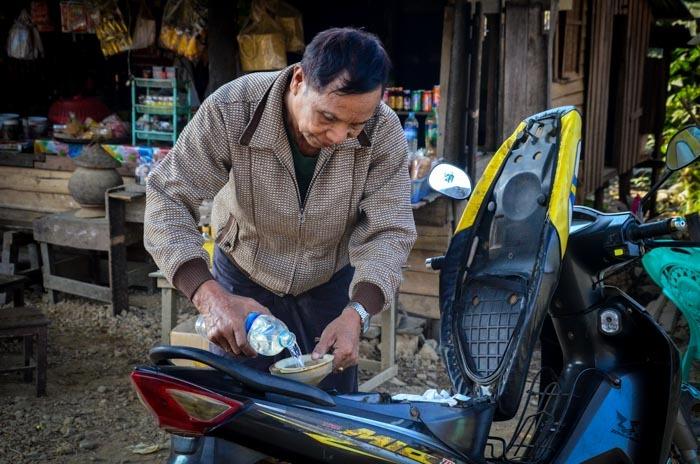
[
  {"x": 24, "y": 41},
  {"x": 40, "y": 15},
  {"x": 110, "y": 28},
  {"x": 261, "y": 41},
  {"x": 184, "y": 28},
  {"x": 145, "y": 29},
  {"x": 290, "y": 20}
]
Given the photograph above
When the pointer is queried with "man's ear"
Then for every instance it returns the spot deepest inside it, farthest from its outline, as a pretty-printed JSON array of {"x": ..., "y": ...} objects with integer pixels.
[{"x": 297, "y": 82}]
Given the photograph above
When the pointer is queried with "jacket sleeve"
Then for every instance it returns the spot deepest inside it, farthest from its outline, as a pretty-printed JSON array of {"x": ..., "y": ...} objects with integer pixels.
[
  {"x": 194, "y": 170},
  {"x": 385, "y": 232}
]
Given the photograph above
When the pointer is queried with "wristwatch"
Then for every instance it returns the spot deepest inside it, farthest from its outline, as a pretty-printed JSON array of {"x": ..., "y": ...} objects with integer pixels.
[{"x": 362, "y": 312}]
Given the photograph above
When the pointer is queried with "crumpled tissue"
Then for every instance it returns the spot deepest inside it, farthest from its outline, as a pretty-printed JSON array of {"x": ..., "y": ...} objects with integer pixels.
[{"x": 432, "y": 396}]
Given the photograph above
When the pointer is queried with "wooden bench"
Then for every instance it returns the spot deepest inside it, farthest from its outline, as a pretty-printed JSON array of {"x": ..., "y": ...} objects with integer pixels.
[{"x": 32, "y": 326}]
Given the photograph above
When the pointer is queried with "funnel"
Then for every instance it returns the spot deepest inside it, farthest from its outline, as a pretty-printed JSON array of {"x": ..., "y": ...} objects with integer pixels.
[{"x": 312, "y": 373}]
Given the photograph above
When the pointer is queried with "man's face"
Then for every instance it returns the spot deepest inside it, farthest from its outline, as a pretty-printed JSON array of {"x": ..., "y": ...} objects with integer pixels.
[{"x": 324, "y": 118}]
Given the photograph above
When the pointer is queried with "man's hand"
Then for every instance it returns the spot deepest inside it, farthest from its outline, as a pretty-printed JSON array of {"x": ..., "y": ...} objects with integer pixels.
[
  {"x": 342, "y": 335},
  {"x": 225, "y": 315}
]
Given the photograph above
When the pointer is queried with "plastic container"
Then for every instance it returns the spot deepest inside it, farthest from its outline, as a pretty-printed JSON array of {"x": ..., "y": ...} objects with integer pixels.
[
  {"x": 410, "y": 130},
  {"x": 420, "y": 188},
  {"x": 267, "y": 335}
]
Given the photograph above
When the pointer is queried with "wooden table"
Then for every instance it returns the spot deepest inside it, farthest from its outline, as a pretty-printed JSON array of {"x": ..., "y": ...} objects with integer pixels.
[
  {"x": 30, "y": 324},
  {"x": 13, "y": 285},
  {"x": 109, "y": 234}
]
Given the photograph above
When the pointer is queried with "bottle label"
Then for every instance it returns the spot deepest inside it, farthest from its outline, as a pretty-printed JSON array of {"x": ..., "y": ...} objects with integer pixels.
[{"x": 411, "y": 133}]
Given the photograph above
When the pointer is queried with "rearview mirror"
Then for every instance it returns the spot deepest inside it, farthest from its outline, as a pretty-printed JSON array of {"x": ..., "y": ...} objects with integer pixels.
[
  {"x": 450, "y": 181},
  {"x": 683, "y": 149}
]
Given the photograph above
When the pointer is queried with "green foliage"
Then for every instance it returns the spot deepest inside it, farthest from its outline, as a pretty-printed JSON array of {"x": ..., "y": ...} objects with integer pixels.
[{"x": 683, "y": 109}]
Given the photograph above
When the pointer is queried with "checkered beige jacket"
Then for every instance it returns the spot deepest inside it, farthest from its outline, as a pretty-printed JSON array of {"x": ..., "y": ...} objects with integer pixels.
[{"x": 235, "y": 150}]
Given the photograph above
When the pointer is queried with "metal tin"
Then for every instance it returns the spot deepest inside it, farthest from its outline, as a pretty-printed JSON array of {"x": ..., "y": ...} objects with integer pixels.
[
  {"x": 436, "y": 96},
  {"x": 416, "y": 103},
  {"x": 407, "y": 99},
  {"x": 427, "y": 101}
]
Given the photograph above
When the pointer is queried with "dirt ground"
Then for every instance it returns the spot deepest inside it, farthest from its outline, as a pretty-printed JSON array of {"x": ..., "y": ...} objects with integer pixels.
[{"x": 92, "y": 414}]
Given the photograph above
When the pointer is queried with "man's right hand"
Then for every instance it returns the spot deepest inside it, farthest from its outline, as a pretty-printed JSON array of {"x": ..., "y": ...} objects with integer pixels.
[{"x": 225, "y": 315}]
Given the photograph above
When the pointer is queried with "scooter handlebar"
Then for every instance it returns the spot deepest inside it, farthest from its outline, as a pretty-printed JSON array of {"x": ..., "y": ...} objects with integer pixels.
[{"x": 656, "y": 229}]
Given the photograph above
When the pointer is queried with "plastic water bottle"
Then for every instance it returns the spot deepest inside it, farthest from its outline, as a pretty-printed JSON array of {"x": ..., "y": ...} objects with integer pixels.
[
  {"x": 267, "y": 335},
  {"x": 410, "y": 130}
]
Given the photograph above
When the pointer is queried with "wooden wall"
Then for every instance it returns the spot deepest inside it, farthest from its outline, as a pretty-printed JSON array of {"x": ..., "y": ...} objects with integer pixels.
[
  {"x": 524, "y": 65},
  {"x": 571, "y": 90},
  {"x": 639, "y": 21},
  {"x": 30, "y": 192},
  {"x": 597, "y": 96}
]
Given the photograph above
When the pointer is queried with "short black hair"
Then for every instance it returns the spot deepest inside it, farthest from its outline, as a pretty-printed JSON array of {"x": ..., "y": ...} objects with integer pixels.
[{"x": 354, "y": 55}]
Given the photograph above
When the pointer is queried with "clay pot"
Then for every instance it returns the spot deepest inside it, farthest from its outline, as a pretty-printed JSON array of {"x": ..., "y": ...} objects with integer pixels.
[{"x": 96, "y": 172}]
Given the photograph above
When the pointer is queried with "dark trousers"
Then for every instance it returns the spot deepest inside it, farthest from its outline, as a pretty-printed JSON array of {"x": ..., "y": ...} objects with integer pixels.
[{"x": 306, "y": 315}]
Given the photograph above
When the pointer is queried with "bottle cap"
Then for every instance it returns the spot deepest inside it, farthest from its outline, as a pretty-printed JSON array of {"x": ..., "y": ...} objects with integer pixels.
[{"x": 250, "y": 318}]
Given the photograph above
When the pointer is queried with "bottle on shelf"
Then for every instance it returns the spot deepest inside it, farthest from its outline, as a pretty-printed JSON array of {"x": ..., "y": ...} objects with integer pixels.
[
  {"x": 410, "y": 130},
  {"x": 431, "y": 134}
]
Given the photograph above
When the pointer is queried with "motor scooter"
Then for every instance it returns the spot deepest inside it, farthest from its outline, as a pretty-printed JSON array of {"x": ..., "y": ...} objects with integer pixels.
[{"x": 520, "y": 251}]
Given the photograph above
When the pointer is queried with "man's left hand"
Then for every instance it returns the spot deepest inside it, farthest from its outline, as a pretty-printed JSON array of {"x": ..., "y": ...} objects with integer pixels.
[{"x": 342, "y": 335}]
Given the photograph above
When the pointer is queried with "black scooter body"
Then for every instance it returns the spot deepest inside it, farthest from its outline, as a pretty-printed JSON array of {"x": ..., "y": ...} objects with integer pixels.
[{"x": 617, "y": 395}]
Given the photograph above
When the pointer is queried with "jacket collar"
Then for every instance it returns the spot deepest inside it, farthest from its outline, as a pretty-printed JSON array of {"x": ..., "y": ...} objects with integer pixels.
[{"x": 269, "y": 113}]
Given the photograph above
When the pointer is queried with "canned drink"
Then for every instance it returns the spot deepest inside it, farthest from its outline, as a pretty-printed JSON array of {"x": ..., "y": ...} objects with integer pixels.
[
  {"x": 407, "y": 100},
  {"x": 416, "y": 100},
  {"x": 436, "y": 96},
  {"x": 392, "y": 98},
  {"x": 427, "y": 101}
]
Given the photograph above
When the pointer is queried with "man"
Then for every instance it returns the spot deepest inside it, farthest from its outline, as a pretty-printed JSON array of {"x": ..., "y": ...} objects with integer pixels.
[{"x": 309, "y": 175}]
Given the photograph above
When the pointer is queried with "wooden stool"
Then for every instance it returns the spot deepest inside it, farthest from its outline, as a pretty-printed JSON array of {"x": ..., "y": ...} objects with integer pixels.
[
  {"x": 12, "y": 285},
  {"x": 28, "y": 323}
]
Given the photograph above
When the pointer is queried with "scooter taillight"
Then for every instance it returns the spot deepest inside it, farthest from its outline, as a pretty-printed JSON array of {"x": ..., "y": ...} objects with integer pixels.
[{"x": 180, "y": 406}]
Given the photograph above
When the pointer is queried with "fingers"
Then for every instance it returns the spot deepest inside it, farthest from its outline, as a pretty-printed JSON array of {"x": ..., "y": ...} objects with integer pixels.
[
  {"x": 242, "y": 341},
  {"x": 344, "y": 357},
  {"x": 328, "y": 338}
]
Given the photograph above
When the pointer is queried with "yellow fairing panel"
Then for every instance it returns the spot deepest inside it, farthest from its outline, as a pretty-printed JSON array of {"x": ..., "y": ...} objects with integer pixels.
[{"x": 564, "y": 187}]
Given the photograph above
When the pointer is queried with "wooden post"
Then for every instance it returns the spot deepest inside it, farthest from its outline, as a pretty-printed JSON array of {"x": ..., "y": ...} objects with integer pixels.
[
  {"x": 448, "y": 23},
  {"x": 118, "y": 280},
  {"x": 553, "y": 17},
  {"x": 477, "y": 35},
  {"x": 455, "y": 106},
  {"x": 599, "y": 197},
  {"x": 625, "y": 187},
  {"x": 222, "y": 46},
  {"x": 47, "y": 270}
]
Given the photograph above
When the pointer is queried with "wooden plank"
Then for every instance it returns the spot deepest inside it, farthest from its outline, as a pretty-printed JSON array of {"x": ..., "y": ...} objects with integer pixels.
[
  {"x": 420, "y": 283},
  {"x": 438, "y": 244},
  {"x": 434, "y": 231},
  {"x": 445, "y": 63},
  {"x": 437, "y": 213},
  {"x": 67, "y": 230},
  {"x": 64, "y": 163},
  {"x": 562, "y": 89},
  {"x": 576, "y": 99},
  {"x": 76, "y": 287},
  {"x": 34, "y": 180},
  {"x": 426, "y": 306},
  {"x": 388, "y": 342},
  {"x": 12, "y": 158},
  {"x": 379, "y": 379},
  {"x": 416, "y": 260},
  {"x": 18, "y": 218},
  {"x": 37, "y": 201}
]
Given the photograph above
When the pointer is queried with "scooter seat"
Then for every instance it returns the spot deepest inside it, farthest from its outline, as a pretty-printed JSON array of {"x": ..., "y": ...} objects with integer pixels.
[{"x": 503, "y": 262}]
